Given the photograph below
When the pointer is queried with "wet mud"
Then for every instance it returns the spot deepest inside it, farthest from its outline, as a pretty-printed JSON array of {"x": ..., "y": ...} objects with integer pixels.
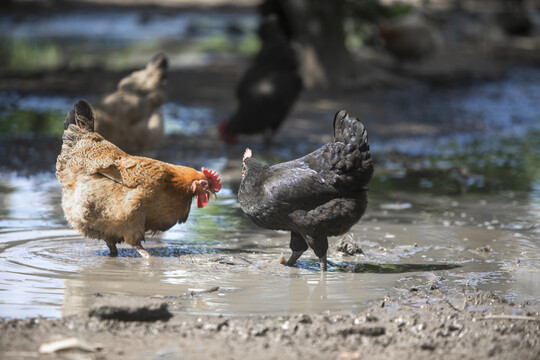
[{"x": 464, "y": 324}]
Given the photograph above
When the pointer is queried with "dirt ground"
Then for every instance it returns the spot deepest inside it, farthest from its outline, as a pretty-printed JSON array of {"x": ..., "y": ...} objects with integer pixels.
[
  {"x": 465, "y": 324},
  {"x": 416, "y": 324}
]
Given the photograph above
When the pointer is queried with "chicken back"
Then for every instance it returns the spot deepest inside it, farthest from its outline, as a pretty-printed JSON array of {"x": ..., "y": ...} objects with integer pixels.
[
  {"x": 110, "y": 195},
  {"x": 319, "y": 195}
]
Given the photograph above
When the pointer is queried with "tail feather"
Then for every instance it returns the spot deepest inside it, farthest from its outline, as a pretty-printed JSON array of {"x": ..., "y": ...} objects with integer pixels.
[
  {"x": 356, "y": 163},
  {"x": 159, "y": 61},
  {"x": 348, "y": 129},
  {"x": 78, "y": 121},
  {"x": 83, "y": 115}
]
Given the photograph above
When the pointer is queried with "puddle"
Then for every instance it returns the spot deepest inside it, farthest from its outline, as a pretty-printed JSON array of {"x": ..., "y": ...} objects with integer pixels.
[
  {"x": 49, "y": 270},
  {"x": 504, "y": 108},
  {"x": 187, "y": 120},
  {"x": 475, "y": 167}
]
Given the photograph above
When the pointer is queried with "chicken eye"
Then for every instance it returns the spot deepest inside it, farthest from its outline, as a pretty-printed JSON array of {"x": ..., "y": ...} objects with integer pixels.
[{"x": 204, "y": 183}]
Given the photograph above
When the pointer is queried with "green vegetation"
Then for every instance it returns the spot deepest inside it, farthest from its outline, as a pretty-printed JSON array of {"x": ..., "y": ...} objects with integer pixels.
[
  {"x": 23, "y": 122},
  {"x": 29, "y": 55}
]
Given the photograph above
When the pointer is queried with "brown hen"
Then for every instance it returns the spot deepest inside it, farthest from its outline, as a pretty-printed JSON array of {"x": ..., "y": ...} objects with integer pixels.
[
  {"x": 131, "y": 117},
  {"x": 110, "y": 195}
]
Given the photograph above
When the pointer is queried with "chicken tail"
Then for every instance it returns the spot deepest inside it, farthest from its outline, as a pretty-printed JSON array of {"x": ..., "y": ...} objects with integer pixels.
[
  {"x": 348, "y": 129},
  {"x": 78, "y": 121},
  {"x": 159, "y": 61},
  {"x": 356, "y": 163},
  {"x": 83, "y": 116}
]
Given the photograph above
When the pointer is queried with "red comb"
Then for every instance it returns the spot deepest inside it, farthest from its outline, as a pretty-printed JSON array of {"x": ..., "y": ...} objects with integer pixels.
[
  {"x": 214, "y": 179},
  {"x": 225, "y": 135}
]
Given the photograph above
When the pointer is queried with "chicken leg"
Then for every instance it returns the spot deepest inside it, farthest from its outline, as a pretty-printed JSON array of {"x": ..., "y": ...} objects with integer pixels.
[
  {"x": 323, "y": 264},
  {"x": 298, "y": 245},
  {"x": 319, "y": 244},
  {"x": 142, "y": 251},
  {"x": 113, "y": 250}
]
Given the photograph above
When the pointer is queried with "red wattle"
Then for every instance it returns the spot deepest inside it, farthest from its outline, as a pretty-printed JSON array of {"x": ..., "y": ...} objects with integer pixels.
[{"x": 202, "y": 199}]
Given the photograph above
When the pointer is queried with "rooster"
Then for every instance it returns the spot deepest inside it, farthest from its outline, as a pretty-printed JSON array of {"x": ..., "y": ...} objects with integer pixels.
[
  {"x": 110, "y": 195},
  {"x": 268, "y": 89},
  {"x": 131, "y": 117},
  {"x": 319, "y": 195}
]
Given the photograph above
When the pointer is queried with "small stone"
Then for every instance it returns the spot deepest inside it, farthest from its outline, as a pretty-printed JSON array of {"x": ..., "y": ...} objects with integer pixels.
[{"x": 126, "y": 308}]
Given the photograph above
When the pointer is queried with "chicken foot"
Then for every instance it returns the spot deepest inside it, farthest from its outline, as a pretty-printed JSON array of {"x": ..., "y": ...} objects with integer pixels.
[
  {"x": 113, "y": 250},
  {"x": 298, "y": 246},
  {"x": 323, "y": 264},
  {"x": 294, "y": 256},
  {"x": 319, "y": 244},
  {"x": 134, "y": 239},
  {"x": 142, "y": 251}
]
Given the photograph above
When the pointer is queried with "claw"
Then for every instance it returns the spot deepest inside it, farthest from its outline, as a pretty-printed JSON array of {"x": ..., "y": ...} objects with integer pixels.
[
  {"x": 294, "y": 256},
  {"x": 142, "y": 251},
  {"x": 323, "y": 264}
]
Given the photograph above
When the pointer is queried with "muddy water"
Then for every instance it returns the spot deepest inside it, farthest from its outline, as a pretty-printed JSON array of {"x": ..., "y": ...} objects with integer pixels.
[{"x": 486, "y": 242}]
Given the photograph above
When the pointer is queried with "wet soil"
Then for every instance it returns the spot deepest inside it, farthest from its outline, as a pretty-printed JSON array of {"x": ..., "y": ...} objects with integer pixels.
[{"x": 416, "y": 324}]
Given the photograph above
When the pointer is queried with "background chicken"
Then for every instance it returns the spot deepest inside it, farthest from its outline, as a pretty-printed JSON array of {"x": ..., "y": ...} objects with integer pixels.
[
  {"x": 110, "y": 195},
  {"x": 131, "y": 117},
  {"x": 268, "y": 89},
  {"x": 319, "y": 195},
  {"x": 410, "y": 37}
]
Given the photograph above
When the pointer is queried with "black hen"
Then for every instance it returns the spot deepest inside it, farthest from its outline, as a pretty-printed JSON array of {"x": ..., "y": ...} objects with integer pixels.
[
  {"x": 268, "y": 89},
  {"x": 319, "y": 195}
]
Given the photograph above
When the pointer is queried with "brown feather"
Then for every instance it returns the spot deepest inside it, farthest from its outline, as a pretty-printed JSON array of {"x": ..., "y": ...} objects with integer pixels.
[{"x": 110, "y": 195}]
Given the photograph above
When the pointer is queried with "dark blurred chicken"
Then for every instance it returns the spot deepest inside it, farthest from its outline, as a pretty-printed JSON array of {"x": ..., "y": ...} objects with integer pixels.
[
  {"x": 514, "y": 19},
  {"x": 268, "y": 89},
  {"x": 319, "y": 195}
]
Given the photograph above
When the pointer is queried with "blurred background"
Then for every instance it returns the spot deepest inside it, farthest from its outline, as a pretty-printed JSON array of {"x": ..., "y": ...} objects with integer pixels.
[{"x": 467, "y": 67}]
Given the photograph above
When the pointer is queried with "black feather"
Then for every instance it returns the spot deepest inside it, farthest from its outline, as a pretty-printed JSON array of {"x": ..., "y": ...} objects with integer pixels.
[
  {"x": 319, "y": 195},
  {"x": 270, "y": 86},
  {"x": 83, "y": 115}
]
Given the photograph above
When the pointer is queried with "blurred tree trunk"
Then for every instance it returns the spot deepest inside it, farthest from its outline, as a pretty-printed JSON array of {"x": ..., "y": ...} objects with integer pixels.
[
  {"x": 325, "y": 62},
  {"x": 317, "y": 26}
]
